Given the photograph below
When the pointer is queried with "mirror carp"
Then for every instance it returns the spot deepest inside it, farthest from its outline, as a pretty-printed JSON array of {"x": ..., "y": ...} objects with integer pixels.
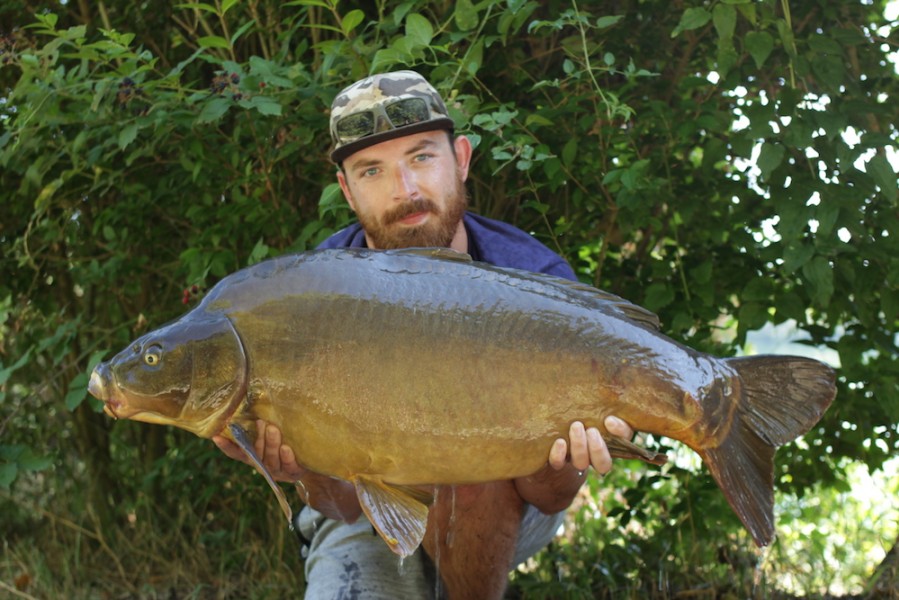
[{"x": 391, "y": 369}]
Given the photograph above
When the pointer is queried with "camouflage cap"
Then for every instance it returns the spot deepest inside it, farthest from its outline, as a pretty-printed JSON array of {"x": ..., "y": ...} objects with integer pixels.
[{"x": 383, "y": 107}]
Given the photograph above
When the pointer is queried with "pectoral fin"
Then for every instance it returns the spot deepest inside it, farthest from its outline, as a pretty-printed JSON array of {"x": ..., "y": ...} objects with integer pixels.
[
  {"x": 242, "y": 439},
  {"x": 622, "y": 448},
  {"x": 399, "y": 514}
]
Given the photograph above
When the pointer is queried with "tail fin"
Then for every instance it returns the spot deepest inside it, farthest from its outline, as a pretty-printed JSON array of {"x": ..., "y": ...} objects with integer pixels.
[{"x": 783, "y": 397}]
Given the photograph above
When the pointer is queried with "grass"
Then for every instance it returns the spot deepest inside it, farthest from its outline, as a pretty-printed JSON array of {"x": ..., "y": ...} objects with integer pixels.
[
  {"x": 151, "y": 554},
  {"x": 635, "y": 534}
]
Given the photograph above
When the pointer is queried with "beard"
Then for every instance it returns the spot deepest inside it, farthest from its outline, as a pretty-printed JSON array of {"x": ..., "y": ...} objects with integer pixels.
[{"x": 386, "y": 233}]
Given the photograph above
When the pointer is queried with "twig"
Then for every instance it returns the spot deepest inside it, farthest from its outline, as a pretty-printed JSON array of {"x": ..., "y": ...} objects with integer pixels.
[{"x": 14, "y": 591}]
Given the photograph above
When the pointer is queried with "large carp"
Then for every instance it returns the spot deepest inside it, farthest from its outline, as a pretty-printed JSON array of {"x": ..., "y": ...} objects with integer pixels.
[{"x": 391, "y": 369}]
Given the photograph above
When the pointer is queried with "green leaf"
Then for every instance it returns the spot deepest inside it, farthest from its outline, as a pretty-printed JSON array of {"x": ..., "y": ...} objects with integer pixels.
[
  {"x": 198, "y": 6},
  {"x": 465, "y": 15},
  {"x": 727, "y": 56},
  {"x": 127, "y": 135},
  {"x": 47, "y": 192},
  {"x": 759, "y": 44},
  {"x": 608, "y": 21},
  {"x": 213, "y": 110},
  {"x": 385, "y": 59},
  {"x": 243, "y": 29},
  {"x": 537, "y": 119},
  {"x": 227, "y": 4},
  {"x": 351, "y": 20},
  {"x": 724, "y": 17},
  {"x": 884, "y": 176},
  {"x": 796, "y": 256},
  {"x": 474, "y": 58},
  {"x": 8, "y": 371},
  {"x": 419, "y": 30},
  {"x": 29, "y": 462},
  {"x": 8, "y": 472},
  {"x": 752, "y": 315},
  {"x": 260, "y": 252},
  {"x": 829, "y": 68},
  {"x": 569, "y": 152},
  {"x": 819, "y": 275},
  {"x": 77, "y": 391},
  {"x": 658, "y": 295},
  {"x": 770, "y": 158},
  {"x": 213, "y": 41},
  {"x": 266, "y": 105},
  {"x": 693, "y": 18},
  {"x": 787, "y": 39}
]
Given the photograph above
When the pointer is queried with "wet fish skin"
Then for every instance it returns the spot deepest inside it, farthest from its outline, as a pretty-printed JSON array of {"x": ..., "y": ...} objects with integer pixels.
[{"x": 391, "y": 369}]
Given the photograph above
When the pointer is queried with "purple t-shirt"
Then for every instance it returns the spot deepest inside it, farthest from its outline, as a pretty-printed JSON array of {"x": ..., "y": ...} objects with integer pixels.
[{"x": 489, "y": 241}]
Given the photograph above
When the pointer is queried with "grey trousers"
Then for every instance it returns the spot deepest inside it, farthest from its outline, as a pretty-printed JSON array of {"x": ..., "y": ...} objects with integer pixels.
[{"x": 348, "y": 561}]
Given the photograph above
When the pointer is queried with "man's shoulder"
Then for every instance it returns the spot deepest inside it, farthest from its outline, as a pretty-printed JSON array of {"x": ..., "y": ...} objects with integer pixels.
[
  {"x": 505, "y": 245},
  {"x": 351, "y": 236}
]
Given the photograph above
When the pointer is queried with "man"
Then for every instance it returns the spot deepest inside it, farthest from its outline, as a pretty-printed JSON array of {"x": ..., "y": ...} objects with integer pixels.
[{"x": 403, "y": 173}]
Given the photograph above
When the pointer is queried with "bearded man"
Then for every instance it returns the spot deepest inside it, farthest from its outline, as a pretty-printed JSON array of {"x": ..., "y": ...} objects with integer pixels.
[{"x": 403, "y": 172}]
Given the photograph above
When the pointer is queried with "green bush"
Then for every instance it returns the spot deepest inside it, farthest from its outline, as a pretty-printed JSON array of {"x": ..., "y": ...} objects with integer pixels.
[{"x": 725, "y": 164}]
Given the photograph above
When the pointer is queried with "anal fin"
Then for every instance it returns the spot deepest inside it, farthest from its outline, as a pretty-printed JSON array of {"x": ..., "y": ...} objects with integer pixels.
[
  {"x": 622, "y": 448},
  {"x": 398, "y": 514}
]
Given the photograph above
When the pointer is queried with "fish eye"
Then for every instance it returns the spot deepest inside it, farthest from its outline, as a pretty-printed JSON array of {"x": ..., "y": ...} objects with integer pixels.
[{"x": 153, "y": 355}]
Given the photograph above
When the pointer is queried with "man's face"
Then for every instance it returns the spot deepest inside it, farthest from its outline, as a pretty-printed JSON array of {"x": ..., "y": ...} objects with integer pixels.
[{"x": 409, "y": 191}]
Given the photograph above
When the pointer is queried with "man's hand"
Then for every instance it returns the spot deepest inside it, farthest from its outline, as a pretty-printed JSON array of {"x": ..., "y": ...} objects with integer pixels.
[
  {"x": 334, "y": 498},
  {"x": 278, "y": 458},
  {"x": 552, "y": 488},
  {"x": 587, "y": 446}
]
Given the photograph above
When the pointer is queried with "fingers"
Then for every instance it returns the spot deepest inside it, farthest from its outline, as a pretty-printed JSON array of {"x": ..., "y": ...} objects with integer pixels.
[
  {"x": 230, "y": 449},
  {"x": 558, "y": 454},
  {"x": 270, "y": 450},
  {"x": 616, "y": 426},
  {"x": 599, "y": 453},
  {"x": 278, "y": 458},
  {"x": 289, "y": 465},
  {"x": 580, "y": 453},
  {"x": 585, "y": 447}
]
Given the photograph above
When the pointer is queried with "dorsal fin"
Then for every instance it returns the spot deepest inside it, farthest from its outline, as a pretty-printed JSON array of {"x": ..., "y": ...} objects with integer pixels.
[
  {"x": 435, "y": 252},
  {"x": 602, "y": 299},
  {"x": 591, "y": 295}
]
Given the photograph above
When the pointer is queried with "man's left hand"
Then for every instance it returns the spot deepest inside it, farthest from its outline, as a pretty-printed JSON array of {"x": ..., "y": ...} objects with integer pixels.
[
  {"x": 587, "y": 447},
  {"x": 552, "y": 488}
]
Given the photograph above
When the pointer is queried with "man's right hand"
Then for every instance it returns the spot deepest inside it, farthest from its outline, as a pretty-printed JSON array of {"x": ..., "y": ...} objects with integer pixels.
[
  {"x": 277, "y": 457},
  {"x": 334, "y": 498}
]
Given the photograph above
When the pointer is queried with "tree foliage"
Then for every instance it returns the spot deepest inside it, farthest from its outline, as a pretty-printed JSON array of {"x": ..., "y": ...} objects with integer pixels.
[{"x": 726, "y": 164}]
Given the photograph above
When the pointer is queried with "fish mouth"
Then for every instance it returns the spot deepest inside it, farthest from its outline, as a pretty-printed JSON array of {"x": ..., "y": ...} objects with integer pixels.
[
  {"x": 100, "y": 388},
  {"x": 109, "y": 410}
]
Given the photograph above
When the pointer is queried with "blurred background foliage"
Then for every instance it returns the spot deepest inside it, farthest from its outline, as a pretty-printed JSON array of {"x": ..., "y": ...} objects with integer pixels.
[{"x": 729, "y": 164}]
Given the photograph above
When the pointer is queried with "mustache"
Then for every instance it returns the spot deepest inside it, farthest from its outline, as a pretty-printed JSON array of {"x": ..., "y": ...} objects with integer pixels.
[{"x": 409, "y": 208}]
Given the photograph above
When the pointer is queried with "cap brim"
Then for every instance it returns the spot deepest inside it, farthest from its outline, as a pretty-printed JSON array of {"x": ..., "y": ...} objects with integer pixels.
[{"x": 338, "y": 155}]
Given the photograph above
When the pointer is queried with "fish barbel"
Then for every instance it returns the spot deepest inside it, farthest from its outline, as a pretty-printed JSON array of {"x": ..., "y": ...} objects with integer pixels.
[{"x": 391, "y": 369}]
